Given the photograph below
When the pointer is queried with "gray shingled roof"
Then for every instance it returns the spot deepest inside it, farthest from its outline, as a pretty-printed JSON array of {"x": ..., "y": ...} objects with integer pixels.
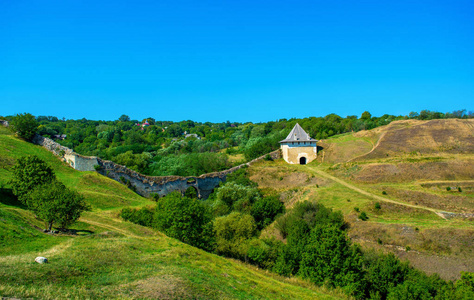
[{"x": 297, "y": 134}]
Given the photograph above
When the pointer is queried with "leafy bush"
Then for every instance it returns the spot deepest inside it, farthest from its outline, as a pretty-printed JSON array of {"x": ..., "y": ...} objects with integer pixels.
[
  {"x": 313, "y": 214},
  {"x": 237, "y": 197},
  {"x": 185, "y": 219},
  {"x": 264, "y": 210},
  {"x": 25, "y": 125},
  {"x": 363, "y": 216},
  {"x": 233, "y": 234},
  {"x": 377, "y": 206},
  {"x": 142, "y": 216},
  {"x": 264, "y": 252},
  {"x": 54, "y": 203},
  {"x": 329, "y": 257},
  {"x": 28, "y": 173}
]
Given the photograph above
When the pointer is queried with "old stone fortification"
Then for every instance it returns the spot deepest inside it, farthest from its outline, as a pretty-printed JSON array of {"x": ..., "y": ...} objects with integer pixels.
[
  {"x": 163, "y": 185},
  {"x": 77, "y": 161},
  {"x": 293, "y": 153},
  {"x": 142, "y": 184}
]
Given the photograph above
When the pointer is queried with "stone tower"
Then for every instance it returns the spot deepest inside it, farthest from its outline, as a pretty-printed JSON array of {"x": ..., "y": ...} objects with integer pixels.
[{"x": 298, "y": 147}]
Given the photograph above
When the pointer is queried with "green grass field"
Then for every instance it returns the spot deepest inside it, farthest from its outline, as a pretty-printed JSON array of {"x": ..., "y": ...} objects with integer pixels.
[{"x": 106, "y": 257}]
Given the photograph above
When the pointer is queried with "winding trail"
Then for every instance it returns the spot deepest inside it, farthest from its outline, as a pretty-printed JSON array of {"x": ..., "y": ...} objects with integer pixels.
[
  {"x": 117, "y": 229},
  {"x": 368, "y": 194}
]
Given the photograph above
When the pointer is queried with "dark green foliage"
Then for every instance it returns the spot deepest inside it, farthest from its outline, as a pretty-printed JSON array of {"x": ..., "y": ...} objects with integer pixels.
[
  {"x": 465, "y": 286},
  {"x": 363, "y": 216},
  {"x": 264, "y": 252},
  {"x": 384, "y": 193},
  {"x": 142, "y": 216},
  {"x": 25, "y": 125},
  {"x": 377, "y": 206},
  {"x": 55, "y": 204},
  {"x": 448, "y": 188},
  {"x": 383, "y": 273},
  {"x": 312, "y": 213},
  {"x": 241, "y": 177},
  {"x": 233, "y": 234},
  {"x": 188, "y": 164},
  {"x": 237, "y": 197},
  {"x": 459, "y": 189},
  {"x": 191, "y": 192},
  {"x": 329, "y": 257},
  {"x": 184, "y": 219},
  {"x": 264, "y": 210},
  {"x": 28, "y": 173}
]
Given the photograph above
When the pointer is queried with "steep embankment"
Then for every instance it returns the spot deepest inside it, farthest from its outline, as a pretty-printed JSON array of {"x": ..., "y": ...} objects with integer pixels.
[{"x": 104, "y": 257}]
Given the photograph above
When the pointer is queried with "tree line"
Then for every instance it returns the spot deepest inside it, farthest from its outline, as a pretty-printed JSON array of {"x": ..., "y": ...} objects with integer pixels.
[{"x": 189, "y": 148}]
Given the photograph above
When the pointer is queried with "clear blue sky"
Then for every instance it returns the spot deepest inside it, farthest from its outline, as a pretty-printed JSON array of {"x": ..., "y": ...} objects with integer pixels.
[{"x": 234, "y": 60}]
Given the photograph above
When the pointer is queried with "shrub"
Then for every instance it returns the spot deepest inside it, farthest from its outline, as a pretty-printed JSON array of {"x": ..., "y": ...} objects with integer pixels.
[
  {"x": 264, "y": 252},
  {"x": 459, "y": 189},
  {"x": 384, "y": 193},
  {"x": 377, "y": 206},
  {"x": 312, "y": 213},
  {"x": 233, "y": 233},
  {"x": 448, "y": 188},
  {"x": 319, "y": 265},
  {"x": 54, "y": 203},
  {"x": 25, "y": 125},
  {"x": 264, "y": 210},
  {"x": 28, "y": 173},
  {"x": 185, "y": 219},
  {"x": 363, "y": 216},
  {"x": 237, "y": 196},
  {"x": 142, "y": 216},
  {"x": 356, "y": 209}
]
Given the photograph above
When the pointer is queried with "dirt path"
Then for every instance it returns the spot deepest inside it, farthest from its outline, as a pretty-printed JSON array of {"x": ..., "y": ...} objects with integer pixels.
[
  {"x": 361, "y": 191},
  {"x": 117, "y": 229},
  {"x": 373, "y": 147}
]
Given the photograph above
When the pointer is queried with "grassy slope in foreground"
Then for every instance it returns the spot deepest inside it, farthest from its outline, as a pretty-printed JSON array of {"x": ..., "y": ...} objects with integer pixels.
[{"x": 109, "y": 258}]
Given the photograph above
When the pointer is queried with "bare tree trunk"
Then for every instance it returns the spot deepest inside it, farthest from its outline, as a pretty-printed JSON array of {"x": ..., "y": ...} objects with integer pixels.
[{"x": 50, "y": 225}]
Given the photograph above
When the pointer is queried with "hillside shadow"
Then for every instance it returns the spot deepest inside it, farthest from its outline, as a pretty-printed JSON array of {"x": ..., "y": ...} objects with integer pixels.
[
  {"x": 319, "y": 148},
  {"x": 7, "y": 198}
]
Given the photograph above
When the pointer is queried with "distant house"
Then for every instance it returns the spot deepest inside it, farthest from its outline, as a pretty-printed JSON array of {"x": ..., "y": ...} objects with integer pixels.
[
  {"x": 59, "y": 136},
  {"x": 192, "y": 135},
  {"x": 298, "y": 147}
]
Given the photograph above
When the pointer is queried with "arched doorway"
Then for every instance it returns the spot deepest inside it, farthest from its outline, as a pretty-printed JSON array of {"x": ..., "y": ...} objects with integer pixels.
[{"x": 303, "y": 160}]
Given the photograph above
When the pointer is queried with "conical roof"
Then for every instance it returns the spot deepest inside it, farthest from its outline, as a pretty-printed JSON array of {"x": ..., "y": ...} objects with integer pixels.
[{"x": 298, "y": 134}]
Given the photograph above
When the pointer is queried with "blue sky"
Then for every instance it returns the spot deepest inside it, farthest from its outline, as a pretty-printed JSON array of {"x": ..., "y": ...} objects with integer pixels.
[{"x": 234, "y": 60}]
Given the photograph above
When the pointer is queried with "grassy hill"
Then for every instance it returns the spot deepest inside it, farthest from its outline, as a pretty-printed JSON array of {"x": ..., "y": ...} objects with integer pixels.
[
  {"x": 406, "y": 167},
  {"x": 105, "y": 257}
]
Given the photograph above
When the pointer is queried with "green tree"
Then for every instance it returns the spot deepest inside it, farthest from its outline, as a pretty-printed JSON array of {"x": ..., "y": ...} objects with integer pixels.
[
  {"x": 55, "y": 204},
  {"x": 28, "y": 173},
  {"x": 366, "y": 115},
  {"x": 25, "y": 125},
  {"x": 233, "y": 234},
  {"x": 237, "y": 196},
  {"x": 329, "y": 257},
  {"x": 264, "y": 210},
  {"x": 124, "y": 118},
  {"x": 185, "y": 219}
]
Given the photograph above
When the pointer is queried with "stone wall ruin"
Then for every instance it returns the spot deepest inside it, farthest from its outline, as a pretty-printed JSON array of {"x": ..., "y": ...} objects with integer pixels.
[{"x": 142, "y": 184}]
